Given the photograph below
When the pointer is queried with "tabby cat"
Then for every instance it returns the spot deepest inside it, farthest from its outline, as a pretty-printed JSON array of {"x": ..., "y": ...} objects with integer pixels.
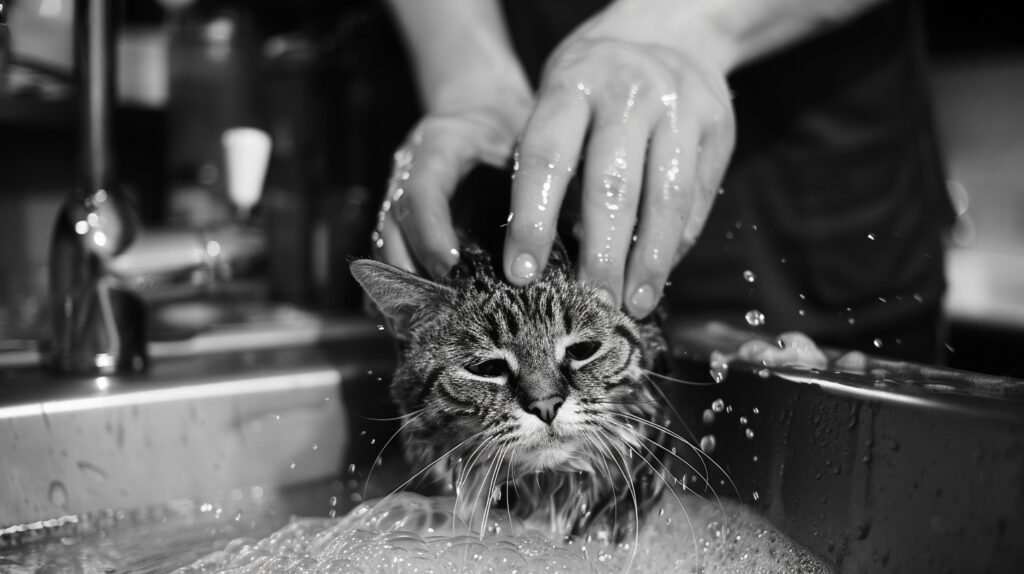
[{"x": 538, "y": 394}]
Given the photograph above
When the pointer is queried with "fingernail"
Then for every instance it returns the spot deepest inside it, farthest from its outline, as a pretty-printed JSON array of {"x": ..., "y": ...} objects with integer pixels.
[
  {"x": 524, "y": 266},
  {"x": 608, "y": 297},
  {"x": 642, "y": 301}
]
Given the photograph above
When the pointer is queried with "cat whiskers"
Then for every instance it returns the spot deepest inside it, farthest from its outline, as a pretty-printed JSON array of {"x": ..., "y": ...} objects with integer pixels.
[
  {"x": 510, "y": 482},
  {"x": 665, "y": 471},
  {"x": 411, "y": 418},
  {"x": 700, "y": 453},
  {"x": 632, "y": 492},
  {"x": 398, "y": 418},
  {"x": 664, "y": 377},
  {"x": 425, "y": 469},
  {"x": 490, "y": 493},
  {"x": 467, "y": 472}
]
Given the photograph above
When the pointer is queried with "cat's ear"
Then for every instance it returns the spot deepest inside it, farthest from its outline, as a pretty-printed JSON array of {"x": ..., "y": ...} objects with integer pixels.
[{"x": 400, "y": 295}]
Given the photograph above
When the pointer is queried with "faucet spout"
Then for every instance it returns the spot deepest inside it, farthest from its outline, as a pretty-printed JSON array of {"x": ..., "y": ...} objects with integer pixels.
[{"x": 98, "y": 325}]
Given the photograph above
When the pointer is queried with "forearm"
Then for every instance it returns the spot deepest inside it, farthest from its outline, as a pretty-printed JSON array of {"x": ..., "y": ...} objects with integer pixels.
[
  {"x": 460, "y": 50},
  {"x": 733, "y": 32}
]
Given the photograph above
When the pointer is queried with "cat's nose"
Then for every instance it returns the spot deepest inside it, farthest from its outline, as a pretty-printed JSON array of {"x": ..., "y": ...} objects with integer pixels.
[{"x": 545, "y": 409}]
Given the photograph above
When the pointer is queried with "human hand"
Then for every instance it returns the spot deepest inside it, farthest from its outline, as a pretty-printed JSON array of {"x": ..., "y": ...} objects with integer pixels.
[
  {"x": 414, "y": 226},
  {"x": 658, "y": 125}
]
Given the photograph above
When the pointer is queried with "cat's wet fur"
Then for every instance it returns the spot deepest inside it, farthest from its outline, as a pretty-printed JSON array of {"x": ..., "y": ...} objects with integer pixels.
[{"x": 529, "y": 398}]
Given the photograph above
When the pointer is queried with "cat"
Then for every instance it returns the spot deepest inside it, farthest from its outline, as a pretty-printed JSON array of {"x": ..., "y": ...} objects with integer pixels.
[{"x": 535, "y": 399}]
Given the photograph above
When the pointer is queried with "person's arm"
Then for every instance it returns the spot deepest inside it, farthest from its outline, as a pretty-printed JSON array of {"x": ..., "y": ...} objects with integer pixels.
[
  {"x": 476, "y": 99},
  {"x": 458, "y": 47},
  {"x": 734, "y": 32},
  {"x": 638, "y": 93}
]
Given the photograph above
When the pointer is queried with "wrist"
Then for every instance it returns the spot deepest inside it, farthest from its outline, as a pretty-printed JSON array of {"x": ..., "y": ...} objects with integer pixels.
[
  {"x": 697, "y": 28},
  {"x": 486, "y": 87},
  {"x": 729, "y": 33}
]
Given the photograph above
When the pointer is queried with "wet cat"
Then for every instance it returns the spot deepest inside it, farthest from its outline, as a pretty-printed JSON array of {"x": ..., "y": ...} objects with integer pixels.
[{"x": 533, "y": 399}]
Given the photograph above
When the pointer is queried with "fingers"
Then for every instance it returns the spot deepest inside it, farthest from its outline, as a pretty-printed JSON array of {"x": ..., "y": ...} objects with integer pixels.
[
  {"x": 667, "y": 204},
  {"x": 422, "y": 212},
  {"x": 611, "y": 197},
  {"x": 690, "y": 151},
  {"x": 414, "y": 226},
  {"x": 547, "y": 155}
]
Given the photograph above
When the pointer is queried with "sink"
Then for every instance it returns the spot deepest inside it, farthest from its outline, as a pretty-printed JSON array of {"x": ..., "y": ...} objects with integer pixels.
[
  {"x": 258, "y": 408},
  {"x": 894, "y": 468},
  {"x": 889, "y": 467}
]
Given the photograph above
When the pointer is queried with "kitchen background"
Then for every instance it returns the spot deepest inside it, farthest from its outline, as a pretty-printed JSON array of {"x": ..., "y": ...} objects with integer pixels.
[{"x": 328, "y": 81}]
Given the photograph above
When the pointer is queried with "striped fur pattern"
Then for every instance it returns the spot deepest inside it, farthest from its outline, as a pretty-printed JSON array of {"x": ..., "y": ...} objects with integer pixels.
[{"x": 476, "y": 351}]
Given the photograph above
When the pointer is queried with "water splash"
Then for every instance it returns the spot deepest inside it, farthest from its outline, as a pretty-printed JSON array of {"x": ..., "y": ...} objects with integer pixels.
[
  {"x": 410, "y": 533},
  {"x": 754, "y": 318},
  {"x": 708, "y": 443}
]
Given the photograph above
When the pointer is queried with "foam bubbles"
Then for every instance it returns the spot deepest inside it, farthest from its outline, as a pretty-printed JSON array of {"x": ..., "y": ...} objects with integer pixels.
[{"x": 409, "y": 533}]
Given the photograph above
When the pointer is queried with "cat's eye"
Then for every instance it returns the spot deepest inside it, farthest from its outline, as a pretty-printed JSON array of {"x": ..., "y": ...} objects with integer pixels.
[
  {"x": 582, "y": 350},
  {"x": 490, "y": 368}
]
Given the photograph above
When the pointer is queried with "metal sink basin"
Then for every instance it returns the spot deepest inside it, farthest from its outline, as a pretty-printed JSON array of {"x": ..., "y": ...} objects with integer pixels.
[
  {"x": 895, "y": 468},
  {"x": 257, "y": 408},
  {"x": 886, "y": 467}
]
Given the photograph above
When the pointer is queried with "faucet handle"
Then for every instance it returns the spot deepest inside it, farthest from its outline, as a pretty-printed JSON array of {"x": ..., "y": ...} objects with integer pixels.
[{"x": 246, "y": 155}]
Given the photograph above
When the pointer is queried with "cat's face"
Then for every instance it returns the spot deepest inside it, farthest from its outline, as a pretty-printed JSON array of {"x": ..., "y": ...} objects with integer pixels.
[{"x": 547, "y": 374}]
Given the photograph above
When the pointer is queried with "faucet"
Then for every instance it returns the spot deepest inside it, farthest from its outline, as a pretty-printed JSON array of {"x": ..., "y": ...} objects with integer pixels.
[
  {"x": 101, "y": 258},
  {"x": 98, "y": 324}
]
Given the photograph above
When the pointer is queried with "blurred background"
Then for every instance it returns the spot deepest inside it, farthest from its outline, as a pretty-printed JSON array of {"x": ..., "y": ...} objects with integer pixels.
[{"x": 328, "y": 81}]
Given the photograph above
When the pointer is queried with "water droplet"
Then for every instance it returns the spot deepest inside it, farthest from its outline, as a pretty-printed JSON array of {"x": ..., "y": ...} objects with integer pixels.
[
  {"x": 877, "y": 343},
  {"x": 707, "y": 443},
  {"x": 756, "y": 411},
  {"x": 756, "y": 495},
  {"x": 749, "y": 433},
  {"x": 238, "y": 515},
  {"x": 708, "y": 416},
  {"x": 352, "y": 468},
  {"x": 749, "y": 276},
  {"x": 718, "y": 405},
  {"x": 316, "y": 446},
  {"x": 380, "y": 327},
  {"x": 764, "y": 373},
  {"x": 754, "y": 318},
  {"x": 743, "y": 421},
  {"x": 851, "y": 320},
  {"x": 871, "y": 236},
  {"x": 58, "y": 493},
  {"x": 719, "y": 370},
  {"x": 92, "y": 471},
  {"x": 291, "y": 465}
]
